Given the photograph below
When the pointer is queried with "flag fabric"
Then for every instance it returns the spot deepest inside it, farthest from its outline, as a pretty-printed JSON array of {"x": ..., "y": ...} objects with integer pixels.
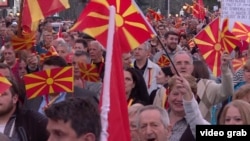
[
  {"x": 155, "y": 15},
  {"x": 131, "y": 26},
  {"x": 4, "y": 84},
  {"x": 228, "y": 40},
  {"x": 118, "y": 124},
  {"x": 242, "y": 31},
  {"x": 239, "y": 63},
  {"x": 51, "y": 52},
  {"x": 163, "y": 61},
  {"x": 49, "y": 81},
  {"x": 188, "y": 8},
  {"x": 35, "y": 10},
  {"x": 199, "y": 10},
  {"x": 89, "y": 72},
  {"x": 212, "y": 42},
  {"x": 25, "y": 41},
  {"x": 113, "y": 104}
]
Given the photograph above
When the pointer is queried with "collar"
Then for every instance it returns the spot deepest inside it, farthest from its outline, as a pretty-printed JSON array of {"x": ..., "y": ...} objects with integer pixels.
[{"x": 143, "y": 68}]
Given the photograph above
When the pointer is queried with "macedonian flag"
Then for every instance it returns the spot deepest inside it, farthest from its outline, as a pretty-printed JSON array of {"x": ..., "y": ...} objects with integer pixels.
[
  {"x": 89, "y": 72},
  {"x": 26, "y": 41},
  {"x": 163, "y": 61},
  {"x": 131, "y": 26},
  {"x": 212, "y": 42},
  {"x": 49, "y": 81},
  {"x": 4, "y": 84},
  {"x": 36, "y": 10},
  {"x": 242, "y": 31},
  {"x": 239, "y": 63},
  {"x": 51, "y": 52}
]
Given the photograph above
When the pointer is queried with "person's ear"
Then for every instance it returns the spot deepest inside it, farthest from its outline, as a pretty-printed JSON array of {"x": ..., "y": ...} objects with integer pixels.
[
  {"x": 15, "y": 98},
  {"x": 169, "y": 130},
  {"x": 88, "y": 137}
]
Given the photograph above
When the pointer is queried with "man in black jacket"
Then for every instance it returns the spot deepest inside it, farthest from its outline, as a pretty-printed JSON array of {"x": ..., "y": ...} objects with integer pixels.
[{"x": 19, "y": 124}]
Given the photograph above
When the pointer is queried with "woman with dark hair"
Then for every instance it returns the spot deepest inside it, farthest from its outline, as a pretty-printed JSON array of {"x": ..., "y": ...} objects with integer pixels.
[
  {"x": 158, "y": 96},
  {"x": 135, "y": 87},
  {"x": 200, "y": 70}
]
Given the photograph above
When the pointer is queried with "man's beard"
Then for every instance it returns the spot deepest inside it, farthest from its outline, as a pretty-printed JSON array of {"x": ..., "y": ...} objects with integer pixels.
[
  {"x": 7, "y": 109},
  {"x": 171, "y": 49}
]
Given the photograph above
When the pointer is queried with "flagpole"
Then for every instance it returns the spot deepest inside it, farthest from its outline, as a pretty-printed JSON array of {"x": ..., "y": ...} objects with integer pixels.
[
  {"x": 105, "y": 109},
  {"x": 19, "y": 27}
]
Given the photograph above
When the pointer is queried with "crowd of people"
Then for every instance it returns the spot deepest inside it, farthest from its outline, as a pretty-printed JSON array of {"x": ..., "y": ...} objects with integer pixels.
[{"x": 165, "y": 101}]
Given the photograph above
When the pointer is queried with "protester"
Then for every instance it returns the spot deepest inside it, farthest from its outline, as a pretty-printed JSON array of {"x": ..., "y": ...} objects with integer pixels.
[
  {"x": 147, "y": 68},
  {"x": 208, "y": 91},
  {"x": 135, "y": 87},
  {"x": 132, "y": 113},
  {"x": 171, "y": 45},
  {"x": 17, "y": 123},
  {"x": 74, "y": 119},
  {"x": 83, "y": 57},
  {"x": 127, "y": 60},
  {"x": 184, "y": 113},
  {"x": 236, "y": 112},
  {"x": 159, "y": 96},
  {"x": 96, "y": 54},
  {"x": 153, "y": 123},
  {"x": 63, "y": 50},
  {"x": 81, "y": 45},
  {"x": 243, "y": 93}
]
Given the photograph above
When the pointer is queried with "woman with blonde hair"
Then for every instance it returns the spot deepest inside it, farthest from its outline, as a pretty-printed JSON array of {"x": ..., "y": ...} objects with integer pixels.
[
  {"x": 184, "y": 112},
  {"x": 243, "y": 93},
  {"x": 236, "y": 112},
  {"x": 132, "y": 113}
]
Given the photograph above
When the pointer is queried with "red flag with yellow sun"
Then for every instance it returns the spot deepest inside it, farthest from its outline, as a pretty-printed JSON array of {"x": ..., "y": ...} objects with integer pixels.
[
  {"x": 239, "y": 63},
  {"x": 25, "y": 41},
  {"x": 212, "y": 42},
  {"x": 89, "y": 72},
  {"x": 4, "y": 84},
  {"x": 51, "y": 52},
  {"x": 131, "y": 26},
  {"x": 163, "y": 61},
  {"x": 49, "y": 81},
  {"x": 242, "y": 31}
]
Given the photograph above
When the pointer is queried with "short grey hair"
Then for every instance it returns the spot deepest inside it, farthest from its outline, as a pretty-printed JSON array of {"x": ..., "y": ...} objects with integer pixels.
[
  {"x": 147, "y": 46},
  {"x": 64, "y": 45},
  {"x": 183, "y": 52},
  {"x": 98, "y": 44},
  {"x": 164, "y": 115}
]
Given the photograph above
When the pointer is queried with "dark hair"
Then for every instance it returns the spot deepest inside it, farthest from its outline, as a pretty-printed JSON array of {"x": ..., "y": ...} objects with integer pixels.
[
  {"x": 200, "y": 70},
  {"x": 82, "y": 114},
  {"x": 55, "y": 61},
  {"x": 139, "y": 93},
  {"x": 5, "y": 66},
  {"x": 170, "y": 33},
  {"x": 184, "y": 36},
  {"x": 16, "y": 89},
  {"x": 82, "y": 41},
  {"x": 167, "y": 71}
]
